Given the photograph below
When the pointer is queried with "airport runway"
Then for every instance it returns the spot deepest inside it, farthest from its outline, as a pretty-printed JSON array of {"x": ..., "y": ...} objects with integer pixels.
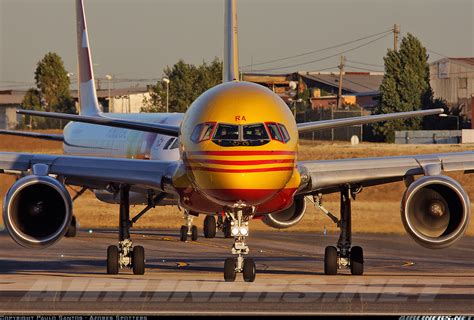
[{"x": 401, "y": 277}]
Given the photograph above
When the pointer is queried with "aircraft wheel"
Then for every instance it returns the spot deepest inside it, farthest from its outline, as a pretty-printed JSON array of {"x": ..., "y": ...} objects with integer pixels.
[
  {"x": 357, "y": 261},
  {"x": 183, "y": 233},
  {"x": 209, "y": 227},
  {"x": 112, "y": 260},
  {"x": 194, "y": 233},
  {"x": 226, "y": 229},
  {"x": 138, "y": 260},
  {"x": 249, "y": 270},
  {"x": 330, "y": 261},
  {"x": 229, "y": 269}
]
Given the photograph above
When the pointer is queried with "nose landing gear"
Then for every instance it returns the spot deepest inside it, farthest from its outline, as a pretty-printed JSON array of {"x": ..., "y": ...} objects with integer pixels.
[{"x": 239, "y": 229}]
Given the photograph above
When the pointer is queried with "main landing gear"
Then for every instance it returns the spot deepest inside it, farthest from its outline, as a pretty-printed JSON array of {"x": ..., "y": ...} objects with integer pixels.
[
  {"x": 188, "y": 229},
  {"x": 125, "y": 255},
  {"x": 239, "y": 228},
  {"x": 211, "y": 226},
  {"x": 344, "y": 256}
]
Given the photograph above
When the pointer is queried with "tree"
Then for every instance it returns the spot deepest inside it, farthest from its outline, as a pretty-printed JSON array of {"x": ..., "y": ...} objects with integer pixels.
[
  {"x": 187, "y": 82},
  {"x": 405, "y": 87},
  {"x": 53, "y": 84},
  {"x": 32, "y": 101},
  {"x": 51, "y": 92}
]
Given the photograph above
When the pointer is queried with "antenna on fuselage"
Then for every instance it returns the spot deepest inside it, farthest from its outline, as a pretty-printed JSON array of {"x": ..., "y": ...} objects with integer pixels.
[{"x": 230, "y": 71}]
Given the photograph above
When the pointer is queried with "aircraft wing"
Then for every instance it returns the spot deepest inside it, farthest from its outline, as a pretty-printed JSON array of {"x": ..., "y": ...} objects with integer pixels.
[
  {"x": 344, "y": 122},
  {"x": 102, "y": 120},
  {"x": 36, "y": 135},
  {"x": 327, "y": 176},
  {"x": 91, "y": 171}
]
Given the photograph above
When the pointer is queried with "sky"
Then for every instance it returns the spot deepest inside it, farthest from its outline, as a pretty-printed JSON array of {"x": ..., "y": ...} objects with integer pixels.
[{"x": 136, "y": 39}]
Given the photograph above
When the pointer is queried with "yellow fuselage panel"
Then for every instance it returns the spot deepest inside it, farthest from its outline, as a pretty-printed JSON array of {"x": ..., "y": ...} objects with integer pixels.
[{"x": 251, "y": 174}]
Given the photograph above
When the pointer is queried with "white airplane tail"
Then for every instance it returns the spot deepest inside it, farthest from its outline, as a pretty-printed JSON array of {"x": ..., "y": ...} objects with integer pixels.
[
  {"x": 231, "y": 50},
  {"x": 89, "y": 105}
]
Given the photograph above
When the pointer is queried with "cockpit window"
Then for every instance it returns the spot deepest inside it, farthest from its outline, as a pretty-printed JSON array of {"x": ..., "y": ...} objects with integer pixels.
[
  {"x": 229, "y": 135},
  {"x": 168, "y": 143},
  {"x": 207, "y": 131},
  {"x": 284, "y": 132},
  {"x": 197, "y": 133},
  {"x": 255, "y": 132},
  {"x": 274, "y": 131},
  {"x": 226, "y": 132},
  {"x": 175, "y": 144},
  {"x": 203, "y": 131}
]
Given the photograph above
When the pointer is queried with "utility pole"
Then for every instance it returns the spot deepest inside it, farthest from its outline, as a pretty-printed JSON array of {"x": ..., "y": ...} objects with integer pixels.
[
  {"x": 341, "y": 71},
  {"x": 396, "y": 32}
]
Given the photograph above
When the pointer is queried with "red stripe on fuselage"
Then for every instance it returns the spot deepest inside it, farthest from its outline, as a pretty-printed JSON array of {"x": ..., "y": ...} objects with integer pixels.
[
  {"x": 242, "y": 153},
  {"x": 241, "y": 170},
  {"x": 241, "y": 162}
]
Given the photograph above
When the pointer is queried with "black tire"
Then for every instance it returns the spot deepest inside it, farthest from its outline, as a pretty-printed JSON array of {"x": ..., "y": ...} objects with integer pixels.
[
  {"x": 138, "y": 260},
  {"x": 229, "y": 270},
  {"x": 330, "y": 261},
  {"x": 72, "y": 230},
  {"x": 249, "y": 271},
  {"x": 210, "y": 227},
  {"x": 194, "y": 233},
  {"x": 112, "y": 260},
  {"x": 183, "y": 233},
  {"x": 226, "y": 229},
  {"x": 357, "y": 261}
]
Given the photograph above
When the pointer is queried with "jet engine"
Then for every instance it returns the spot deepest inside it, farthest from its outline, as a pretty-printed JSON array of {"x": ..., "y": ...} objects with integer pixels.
[
  {"x": 435, "y": 211},
  {"x": 287, "y": 218},
  {"x": 37, "y": 211}
]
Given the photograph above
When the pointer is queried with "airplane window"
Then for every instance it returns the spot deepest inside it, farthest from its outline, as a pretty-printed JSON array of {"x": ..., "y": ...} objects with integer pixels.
[
  {"x": 175, "y": 144},
  {"x": 274, "y": 131},
  {"x": 196, "y": 133},
  {"x": 227, "y": 132},
  {"x": 284, "y": 132},
  {"x": 168, "y": 143},
  {"x": 255, "y": 132},
  {"x": 207, "y": 131},
  {"x": 203, "y": 131}
]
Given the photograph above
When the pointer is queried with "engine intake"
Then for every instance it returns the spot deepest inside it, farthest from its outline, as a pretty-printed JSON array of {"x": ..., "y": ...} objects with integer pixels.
[
  {"x": 287, "y": 218},
  {"x": 37, "y": 211},
  {"x": 435, "y": 211}
]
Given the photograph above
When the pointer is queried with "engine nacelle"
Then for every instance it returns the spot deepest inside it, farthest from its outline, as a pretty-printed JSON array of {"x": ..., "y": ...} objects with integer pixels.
[
  {"x": 435, "y": 211},
  {"x": 37, "y": 211},
  {"x": 287, "y": 218}
]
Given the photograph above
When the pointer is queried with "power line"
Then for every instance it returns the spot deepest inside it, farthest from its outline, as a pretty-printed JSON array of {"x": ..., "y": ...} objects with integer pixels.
[
  {"x": 450, "y": 60},
  {"x": 365, "y": 69},
  {"x": 318, "y": 50},
  {"x": 314, "y": 71},
  {"x": 365, "y": 63},
  {"x": 325, "y": 58}
]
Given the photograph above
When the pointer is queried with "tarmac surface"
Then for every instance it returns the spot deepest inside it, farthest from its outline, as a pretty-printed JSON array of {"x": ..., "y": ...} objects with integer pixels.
[{"x": 187, "y": 278}]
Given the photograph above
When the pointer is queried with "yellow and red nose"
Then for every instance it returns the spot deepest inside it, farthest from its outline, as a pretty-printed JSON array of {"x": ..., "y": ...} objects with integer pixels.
[{"x": 230, "y": 177}]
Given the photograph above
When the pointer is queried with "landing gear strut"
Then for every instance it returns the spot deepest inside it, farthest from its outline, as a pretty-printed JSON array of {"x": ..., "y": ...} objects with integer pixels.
[
  {"x": 72, "y": 230},
  {"x": 125, "y": 255},
  {"x": 188, "y": 229},
  {"x": 223, "y": 224},
  {"x": 344, "y": 256},
  {"x": 239, "y": 229}
]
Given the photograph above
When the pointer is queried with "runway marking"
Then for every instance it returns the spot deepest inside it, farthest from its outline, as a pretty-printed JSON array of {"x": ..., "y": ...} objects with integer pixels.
[{"x": 182, "y": 264}]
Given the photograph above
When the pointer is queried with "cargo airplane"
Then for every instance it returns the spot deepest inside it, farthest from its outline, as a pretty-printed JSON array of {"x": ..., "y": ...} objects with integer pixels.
[{"x": 235, "y": 151}]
